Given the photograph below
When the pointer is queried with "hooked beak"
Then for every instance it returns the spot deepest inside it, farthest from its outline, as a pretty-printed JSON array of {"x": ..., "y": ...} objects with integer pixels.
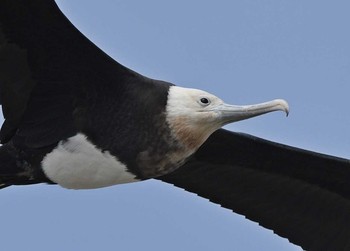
[{"x": 233, "y": 113}]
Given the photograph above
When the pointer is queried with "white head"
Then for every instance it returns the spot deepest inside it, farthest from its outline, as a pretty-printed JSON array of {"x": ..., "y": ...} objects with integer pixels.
[{"x": 194, "y": 114}]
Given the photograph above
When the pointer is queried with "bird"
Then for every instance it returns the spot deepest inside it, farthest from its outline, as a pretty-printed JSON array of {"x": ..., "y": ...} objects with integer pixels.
[{"x": 77, "y": 118}]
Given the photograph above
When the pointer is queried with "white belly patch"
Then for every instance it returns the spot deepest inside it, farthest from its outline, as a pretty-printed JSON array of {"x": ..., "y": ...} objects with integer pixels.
[{"x": 77, "y": 164}]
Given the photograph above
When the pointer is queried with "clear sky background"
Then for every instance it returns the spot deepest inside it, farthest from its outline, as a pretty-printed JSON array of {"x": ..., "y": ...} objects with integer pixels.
[{"x": 244, "y": 51}]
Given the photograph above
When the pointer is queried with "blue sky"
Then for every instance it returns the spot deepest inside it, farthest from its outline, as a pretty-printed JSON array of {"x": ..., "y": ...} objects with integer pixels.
[{"x": 243, "y": 51}]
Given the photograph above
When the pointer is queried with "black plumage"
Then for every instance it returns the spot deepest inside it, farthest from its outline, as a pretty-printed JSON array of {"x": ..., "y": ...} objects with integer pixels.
[
  {"x": 53, "y": 79},
  {"x": 44, "y": 103}
]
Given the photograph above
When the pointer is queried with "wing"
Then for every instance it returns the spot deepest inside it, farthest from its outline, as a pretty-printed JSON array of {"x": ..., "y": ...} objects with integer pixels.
[
  {"x": 301, "y": 195},
  {"x": 47, "y": 67}
]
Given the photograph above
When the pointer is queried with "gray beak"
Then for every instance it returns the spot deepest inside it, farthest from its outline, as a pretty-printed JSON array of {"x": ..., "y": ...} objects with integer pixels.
[{"x": 233, "y": 113}]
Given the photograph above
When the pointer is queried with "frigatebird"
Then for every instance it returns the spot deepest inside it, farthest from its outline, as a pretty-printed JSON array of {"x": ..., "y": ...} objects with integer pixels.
[{"x": 51, "y": 89}]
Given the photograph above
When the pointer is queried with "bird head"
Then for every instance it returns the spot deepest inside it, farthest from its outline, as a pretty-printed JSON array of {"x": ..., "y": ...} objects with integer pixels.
[{"x": 193, "y": 115}]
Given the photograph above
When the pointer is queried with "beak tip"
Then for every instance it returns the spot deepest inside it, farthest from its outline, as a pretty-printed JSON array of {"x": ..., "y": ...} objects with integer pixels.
[{"x": 283, "y": 105}]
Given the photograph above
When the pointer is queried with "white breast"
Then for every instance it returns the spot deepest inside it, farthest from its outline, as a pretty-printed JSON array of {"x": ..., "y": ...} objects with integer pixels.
[{"x": 77, "y": 164}]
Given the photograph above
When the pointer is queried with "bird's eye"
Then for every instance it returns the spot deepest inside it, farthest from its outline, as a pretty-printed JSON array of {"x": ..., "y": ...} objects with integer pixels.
[{"x": 204, "y": 101}]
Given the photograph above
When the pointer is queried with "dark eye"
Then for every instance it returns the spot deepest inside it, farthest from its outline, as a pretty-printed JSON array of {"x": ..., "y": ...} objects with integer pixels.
[{"x": 204, "y": 101}]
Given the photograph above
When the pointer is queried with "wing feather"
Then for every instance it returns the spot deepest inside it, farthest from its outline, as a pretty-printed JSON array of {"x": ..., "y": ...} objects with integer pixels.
[
  {"x": 300, "y": 195},
  {"x": 46, "y": 64}
]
